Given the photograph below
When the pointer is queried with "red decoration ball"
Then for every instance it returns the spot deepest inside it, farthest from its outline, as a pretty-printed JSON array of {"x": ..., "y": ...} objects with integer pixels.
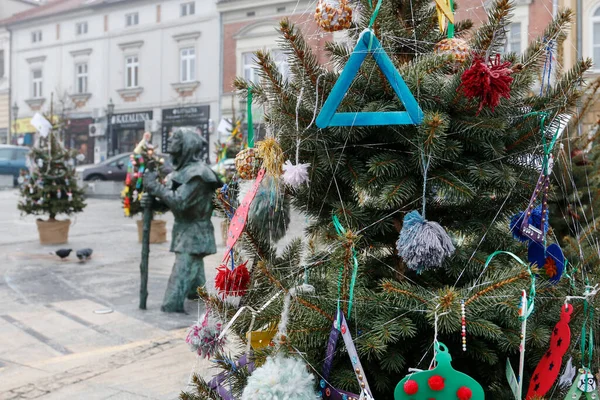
[
  {"x": 464, "y": 393},
  {"x": 411, "y": 387},
  {"x": 436, "y": 383}
]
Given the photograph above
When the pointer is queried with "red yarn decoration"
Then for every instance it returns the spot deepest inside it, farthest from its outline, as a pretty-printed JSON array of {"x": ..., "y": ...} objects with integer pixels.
[
  {"x": 464, "y": 393},
  {"x": 234, "y": 283},
  {"x": 488, "y": 82},
  {"x": 550, "y": 267},
  {"x": 436, "y": 383},
  {"x": 411, "y": 387}
]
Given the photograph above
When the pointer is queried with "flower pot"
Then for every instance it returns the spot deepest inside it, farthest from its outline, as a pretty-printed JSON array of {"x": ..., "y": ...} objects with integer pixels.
[
  {"x": 158, "y": 230},
  {"x": 53, "y": 232}
]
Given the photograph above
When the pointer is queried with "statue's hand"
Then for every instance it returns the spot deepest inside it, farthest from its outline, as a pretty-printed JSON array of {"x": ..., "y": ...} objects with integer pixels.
[
  {"x": 146, "y": 200},
  {"x": 150, "y": 181}
]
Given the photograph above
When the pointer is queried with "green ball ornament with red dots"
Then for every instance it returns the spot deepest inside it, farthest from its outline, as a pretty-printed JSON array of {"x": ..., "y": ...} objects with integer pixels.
[{"x": 441, "y": 383}]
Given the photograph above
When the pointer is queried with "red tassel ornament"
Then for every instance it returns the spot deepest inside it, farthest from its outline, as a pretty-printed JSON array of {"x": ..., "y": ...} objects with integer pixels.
[
  {"x": 487, "y": 81},
  {"x": 232, "y": 282}
]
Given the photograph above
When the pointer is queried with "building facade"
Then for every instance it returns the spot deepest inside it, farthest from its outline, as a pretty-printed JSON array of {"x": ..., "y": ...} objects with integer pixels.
[
  {"x": 119, "y": 67},
  {"x": 8, "y": 8},
  {"x": 248, "y": 26}
]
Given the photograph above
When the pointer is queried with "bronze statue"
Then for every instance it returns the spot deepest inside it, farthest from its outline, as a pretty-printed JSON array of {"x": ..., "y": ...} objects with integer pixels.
[{"x": 188, "y": 193}]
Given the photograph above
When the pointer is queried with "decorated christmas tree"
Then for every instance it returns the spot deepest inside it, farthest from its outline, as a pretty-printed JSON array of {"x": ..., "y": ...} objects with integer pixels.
[
  {"x": 428, "y": 161},
  {"x": 50, "y": 186}
]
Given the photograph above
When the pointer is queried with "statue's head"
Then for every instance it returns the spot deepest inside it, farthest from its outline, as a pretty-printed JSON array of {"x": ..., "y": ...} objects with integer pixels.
[{"x": 185, "y": 147}]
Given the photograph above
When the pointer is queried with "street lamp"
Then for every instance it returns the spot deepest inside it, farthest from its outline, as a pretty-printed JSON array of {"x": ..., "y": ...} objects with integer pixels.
[
  {"x": 15, "y": 112},
  {"x": 110, "y": 110}
]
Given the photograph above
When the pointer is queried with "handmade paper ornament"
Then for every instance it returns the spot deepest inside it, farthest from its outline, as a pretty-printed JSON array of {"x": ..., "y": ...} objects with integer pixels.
[
  {"x": 203, "y": 337},
  {"x": 40, "y": 162},
  {"x": 238, "y": 221},
  {"x": 263, "y": 338},
  {"x": 488, "y": 82},
  {"x": 457, "y": 48},
  {"x": 551, "y": 261},
  {"x": 533, "y": 227},
  {"x": 281, "y": 377},
  {"x": 584, "y": 384},
  {"x": 442, "y": 382},
  {"x": 423, "y": 244},
  {"x": 327, "y": 390},
  {"x": 30, "y": 189},
  {"x": 333, "y": 15},
  {"x": 66, "y": 182},
  {"x": 69, "y": 196},
  {"x": 548, "y": 368},
  {"x": 567, "y": 377},
  {"x": 58, "y": 194},
  {"x": 20, "y": 179},
  {"x": 247, "y": 164},
  {"x": 134, "y": 195},
  {"x": 232, "y": 282},
  {"x": 295, "y": 175}
]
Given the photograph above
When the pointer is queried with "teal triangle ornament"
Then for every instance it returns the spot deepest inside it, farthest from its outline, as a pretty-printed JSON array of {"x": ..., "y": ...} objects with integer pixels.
[
  {"x": 369, "y": 44},
  {"x": 584, "y": 384},
  {"x": 441, "y": 383}
]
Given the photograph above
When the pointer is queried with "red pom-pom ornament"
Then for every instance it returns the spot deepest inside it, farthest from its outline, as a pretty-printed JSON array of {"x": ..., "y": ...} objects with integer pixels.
[
  {"x": 233, "y": 282},
  {"x": 436, "y": 383},
  {"x": 464, "y": 393},
  {"x": 411, "y": 387},
  {"x": 487, "y": 81}
]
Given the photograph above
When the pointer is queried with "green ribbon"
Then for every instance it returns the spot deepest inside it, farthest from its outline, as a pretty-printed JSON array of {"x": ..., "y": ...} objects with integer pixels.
[
  {"x": 588, "y": 312},
  {"x": 372, "y": 22},
  {"x": 341, "y": 232},
  {"x": 546, "y": 146},
  {"x": 450, "y": 30},
  {"x": 250, "y": 124},
  {"x": 531, "y": 298}
]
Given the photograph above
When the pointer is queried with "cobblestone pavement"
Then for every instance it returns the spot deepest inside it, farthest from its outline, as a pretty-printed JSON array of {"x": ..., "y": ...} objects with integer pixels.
[{"x": 71, "y": 330}]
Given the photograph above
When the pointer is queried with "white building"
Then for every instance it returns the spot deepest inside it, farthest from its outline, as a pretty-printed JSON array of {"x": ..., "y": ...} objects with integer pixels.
[
  {"x": 7, "y": 9},
  {"x": 158, "y": 61}
]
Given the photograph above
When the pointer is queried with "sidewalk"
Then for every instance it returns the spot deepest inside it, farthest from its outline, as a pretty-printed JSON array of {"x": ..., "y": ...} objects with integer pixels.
[{"x": 74, "y": 331}]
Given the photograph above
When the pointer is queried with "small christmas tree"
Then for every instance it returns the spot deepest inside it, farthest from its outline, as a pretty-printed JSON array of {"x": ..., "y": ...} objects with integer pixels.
[{"x": 50, "y": 187}]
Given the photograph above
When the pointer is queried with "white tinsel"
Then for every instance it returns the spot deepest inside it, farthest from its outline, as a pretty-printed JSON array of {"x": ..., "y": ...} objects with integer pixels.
[
  {"x": 295, "y": 175},
  {"x": 281, "y": 378}
]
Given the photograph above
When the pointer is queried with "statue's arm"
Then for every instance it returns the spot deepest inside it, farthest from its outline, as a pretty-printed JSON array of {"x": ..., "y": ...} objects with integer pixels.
[{"x": 181, "y": 198}]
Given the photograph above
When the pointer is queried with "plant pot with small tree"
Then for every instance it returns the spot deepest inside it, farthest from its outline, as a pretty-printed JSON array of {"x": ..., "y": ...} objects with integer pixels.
[{"x": 50, "y": 188}]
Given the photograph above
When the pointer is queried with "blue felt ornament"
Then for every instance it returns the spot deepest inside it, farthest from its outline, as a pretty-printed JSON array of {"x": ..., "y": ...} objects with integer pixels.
[{"x": 551, "y": 261}]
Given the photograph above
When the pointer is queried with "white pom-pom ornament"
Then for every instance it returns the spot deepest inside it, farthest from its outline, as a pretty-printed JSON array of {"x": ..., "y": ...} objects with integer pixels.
[
  {"x": 281, "y": 378},
  {"x": 295, "y": 175}
]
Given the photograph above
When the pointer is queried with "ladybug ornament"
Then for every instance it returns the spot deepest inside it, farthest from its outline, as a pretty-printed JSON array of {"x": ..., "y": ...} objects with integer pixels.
[{"x": 441, "y": 383}]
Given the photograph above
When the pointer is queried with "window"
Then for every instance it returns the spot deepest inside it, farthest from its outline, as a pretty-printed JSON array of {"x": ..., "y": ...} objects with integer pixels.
[
  {"x": 1, "y": 63},
  {"x": 250, "y": 70},
  {"x": 188, "y": 64},
  {"x": 81, "y": 28},
  {"x": 596, "y": 39},
  {"x": 188, "y": 8},
  {"x": 131, "y": 71},
  {"x": 36, "y": 83},
  {"x": 36, "y": 36},
  {"x": 281, "y": 61},
  {"x": 81, "y": 78},
  {"x": 513, "y": 38},
  {"x": 132, "y": 19}
]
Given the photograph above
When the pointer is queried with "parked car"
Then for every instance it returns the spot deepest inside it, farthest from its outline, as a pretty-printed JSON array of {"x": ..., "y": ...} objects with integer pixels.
[
  {"x": 12, "y": 160},
  {"x": 114, "y": 168}
]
